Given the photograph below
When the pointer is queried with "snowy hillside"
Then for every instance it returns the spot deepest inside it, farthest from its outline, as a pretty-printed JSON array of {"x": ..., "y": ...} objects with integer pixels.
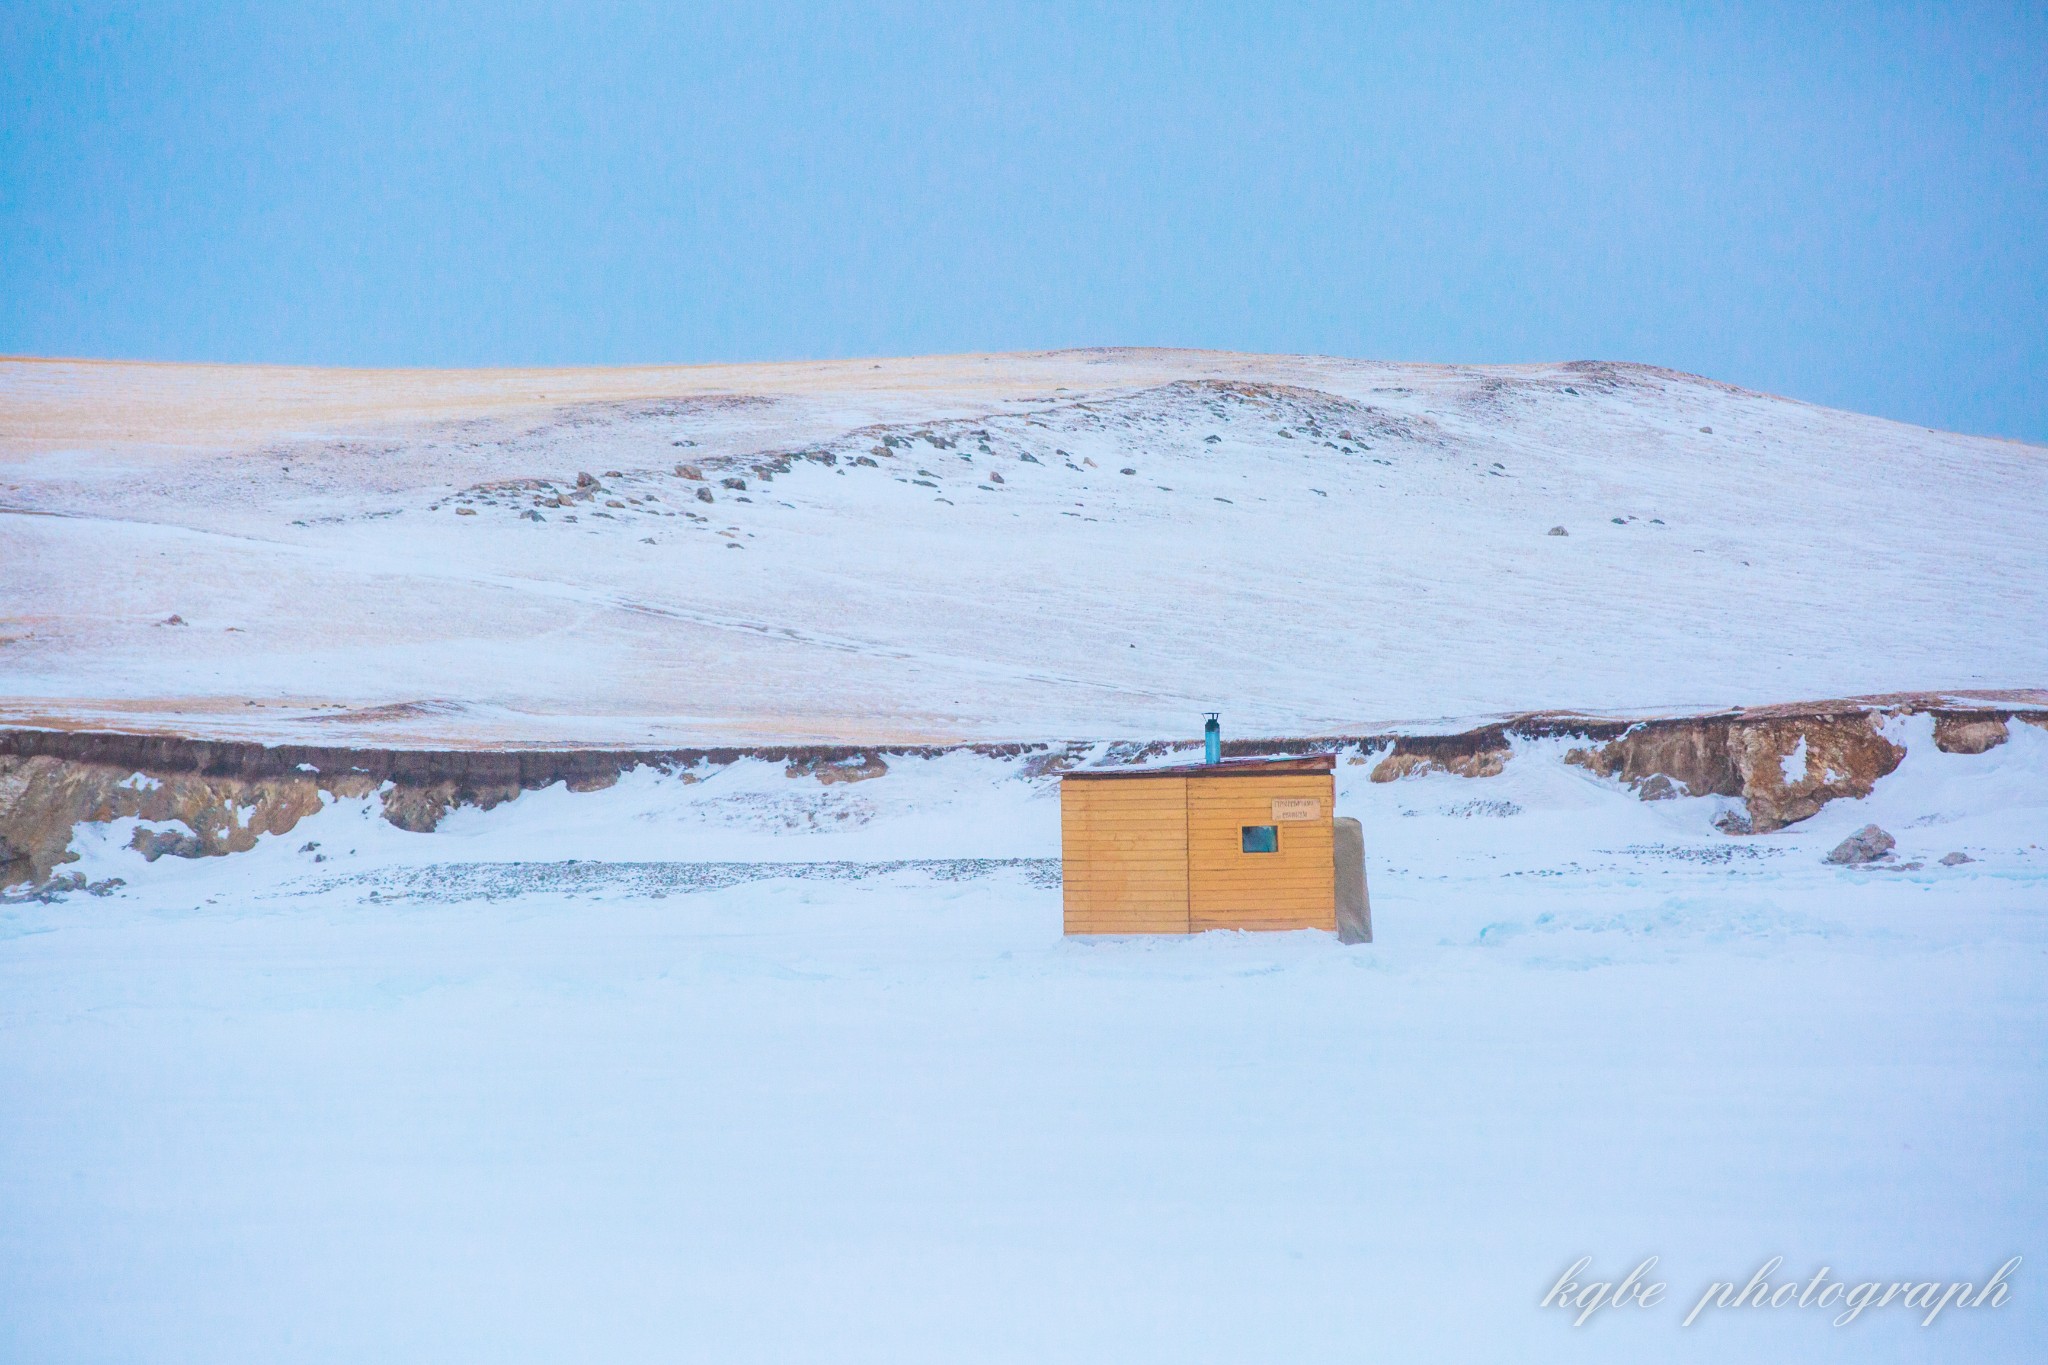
[{"x": 1068, "y": 545}]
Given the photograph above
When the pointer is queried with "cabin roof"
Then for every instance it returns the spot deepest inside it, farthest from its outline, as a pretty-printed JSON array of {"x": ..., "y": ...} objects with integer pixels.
[{"x": 1229, "y": 767}]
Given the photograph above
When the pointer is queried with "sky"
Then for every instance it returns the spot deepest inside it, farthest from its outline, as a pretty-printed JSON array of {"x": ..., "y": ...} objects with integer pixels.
[{"x": 1843, "y": 205}]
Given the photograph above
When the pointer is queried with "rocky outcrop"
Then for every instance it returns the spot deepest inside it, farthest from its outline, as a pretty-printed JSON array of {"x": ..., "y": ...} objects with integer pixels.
[
  {"x": 204, "y": 798},
  {"x": 1791, "y": 768},
  {"x": 1969, "y": 733},
  {"x": 1783, "y": 763},
  {"x": 858, "y": 768},
  {"x": 1474, "y": 753},
  {"x": 1491, "y": 762},
  {"x": 43, "y": 797},
  {"x": 1784, "y": 768},
  {"x": 420, "y": 808}
]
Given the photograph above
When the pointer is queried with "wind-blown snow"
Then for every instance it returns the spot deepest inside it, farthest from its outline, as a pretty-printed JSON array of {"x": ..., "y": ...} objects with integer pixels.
[
  {"x": 1314, "y": 546},
  {"x": 852, "y": 1097}
]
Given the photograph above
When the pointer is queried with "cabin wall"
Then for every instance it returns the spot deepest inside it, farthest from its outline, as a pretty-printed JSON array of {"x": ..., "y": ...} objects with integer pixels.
[
  {"x": 1124, "y": 851},
  {"x": 1294, "y": 888},
  {"x": 1164, "y": 855}
]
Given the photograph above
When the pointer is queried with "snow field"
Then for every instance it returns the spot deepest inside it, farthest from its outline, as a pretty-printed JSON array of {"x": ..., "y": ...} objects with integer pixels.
[{"x": 254, "y": 1113}]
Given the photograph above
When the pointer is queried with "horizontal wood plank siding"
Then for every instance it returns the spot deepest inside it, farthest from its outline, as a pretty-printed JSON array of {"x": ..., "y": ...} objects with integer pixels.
[
  {"x": 1294, "y": 888},
  {"x": 1124, "y": 857},
  {"x": 1163, "y": 854}
]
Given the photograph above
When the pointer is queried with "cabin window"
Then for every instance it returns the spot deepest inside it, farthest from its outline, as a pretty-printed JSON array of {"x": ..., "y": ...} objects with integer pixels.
[{"x": 1261, "y": 838}]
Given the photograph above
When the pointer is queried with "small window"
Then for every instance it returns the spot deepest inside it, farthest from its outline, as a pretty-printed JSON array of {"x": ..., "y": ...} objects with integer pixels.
[{"x": 1261, "y": 838}]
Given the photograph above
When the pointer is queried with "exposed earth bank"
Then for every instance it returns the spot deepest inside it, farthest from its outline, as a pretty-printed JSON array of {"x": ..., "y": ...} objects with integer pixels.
[{"x": 1781, "y": 764}]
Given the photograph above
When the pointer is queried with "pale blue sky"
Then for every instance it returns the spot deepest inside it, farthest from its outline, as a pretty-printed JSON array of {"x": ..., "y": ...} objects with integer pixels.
[{"x": 1846, "y": 207}]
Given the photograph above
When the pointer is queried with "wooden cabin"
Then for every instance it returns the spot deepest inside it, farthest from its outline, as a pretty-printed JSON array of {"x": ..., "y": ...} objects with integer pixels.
[{"x": 1242, "y": 844}]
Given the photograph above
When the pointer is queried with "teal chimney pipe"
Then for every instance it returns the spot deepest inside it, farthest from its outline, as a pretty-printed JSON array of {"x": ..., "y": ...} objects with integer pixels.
[{"x": 1212, "y": 739}]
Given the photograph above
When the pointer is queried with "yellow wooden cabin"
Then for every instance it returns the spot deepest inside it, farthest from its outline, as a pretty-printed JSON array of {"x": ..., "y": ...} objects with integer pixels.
[{"x": 1242, "y": 844}]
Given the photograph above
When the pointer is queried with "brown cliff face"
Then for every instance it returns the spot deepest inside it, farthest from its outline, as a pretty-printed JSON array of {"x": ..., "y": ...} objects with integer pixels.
[
  {"x": 43, "y": 798},
  {"x": 1785, "y": 768},
  {"x": 217, "y": 798},
  {"x": 1842, "y": 757},
  {"x": 1784, "y": 762}
]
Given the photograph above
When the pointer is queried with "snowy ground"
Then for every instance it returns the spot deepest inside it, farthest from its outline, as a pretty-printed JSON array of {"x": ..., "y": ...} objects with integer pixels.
[
  {"x": 849, "y": 1095},
  {"x": 1082, "y": 544}
]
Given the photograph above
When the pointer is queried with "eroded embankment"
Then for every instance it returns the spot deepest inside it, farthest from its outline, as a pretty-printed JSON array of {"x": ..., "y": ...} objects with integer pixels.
[{"x": 1781, "y": 763}]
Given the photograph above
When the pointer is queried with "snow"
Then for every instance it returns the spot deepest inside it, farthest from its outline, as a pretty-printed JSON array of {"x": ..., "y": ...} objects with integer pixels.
[
  {"x": 304, "y": 524},
  {"x": 734, "y": 1062},
  {"x": 781, "y": 1069},
  {"x": 1792, "y": 767}
]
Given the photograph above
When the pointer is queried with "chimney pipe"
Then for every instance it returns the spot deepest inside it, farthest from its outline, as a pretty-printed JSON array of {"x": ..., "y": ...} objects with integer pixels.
[{"x": 1212, "y": 739}]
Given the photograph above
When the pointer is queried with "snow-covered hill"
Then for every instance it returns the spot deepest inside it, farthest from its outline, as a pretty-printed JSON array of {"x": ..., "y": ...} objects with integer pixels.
[
  {"x": 1067, "y": 545},
  {"x": 628, "y": 1058}
]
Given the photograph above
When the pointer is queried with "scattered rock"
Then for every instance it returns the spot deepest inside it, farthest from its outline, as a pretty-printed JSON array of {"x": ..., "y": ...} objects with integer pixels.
[
  {"x": 1659, "y": 787},
  {"x": 172, "y": 621},
  {"x": 1557, "y": 531},
  {"x": 1706, "y": 431},
  {"x": 994, "y": 477},
  {"x": 586, "y": 480},
  {"x": 1866, "y": 845},
  {"x": 1127, "y": 470},
  {"x": 738, "y": 485},
  {"x": 614, "y": 502},
  {"x": 613, "y": 474},
  {"x": 1735, "y": 820},
  {"x": 704, "y": 495},
  {"x": 154, "y": 844},
  {"x": 465, "y": 511},
  {"x": 54, "y": 890},
  {"x": 689, "y": 471},
  {"x": 1956, "y": 859}
]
